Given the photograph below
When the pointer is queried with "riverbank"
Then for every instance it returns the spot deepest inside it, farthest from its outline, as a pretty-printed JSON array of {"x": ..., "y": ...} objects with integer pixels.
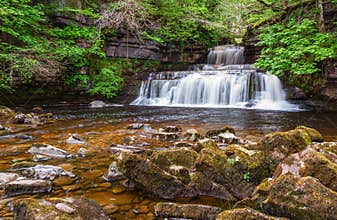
[{"x": 93, "y": 139}]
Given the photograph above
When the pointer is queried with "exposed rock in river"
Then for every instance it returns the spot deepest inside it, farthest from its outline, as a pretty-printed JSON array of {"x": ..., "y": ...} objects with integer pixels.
[
  {"x": 189, "y": 211},
  {"x": 58, "y": 208},
  {"x": 27, "y": 186},
  {"x": 48, "y": 150}
]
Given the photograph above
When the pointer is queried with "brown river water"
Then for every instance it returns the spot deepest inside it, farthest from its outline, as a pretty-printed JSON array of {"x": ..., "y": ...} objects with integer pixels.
[{"x": 100, "y": 128}]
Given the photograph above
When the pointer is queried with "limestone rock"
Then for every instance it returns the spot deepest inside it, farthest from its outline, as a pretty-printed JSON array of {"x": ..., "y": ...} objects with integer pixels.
[
  {"x": 49, "y": 151},
  {"x": 27, "y": 186},
  {"x": 245, "y": 214},
  {"x": 189, "y": 211},
  {"x": 7, "y": 177},
  {"x": 58, "y": 209},
  {"x": 294, "y": 197}
]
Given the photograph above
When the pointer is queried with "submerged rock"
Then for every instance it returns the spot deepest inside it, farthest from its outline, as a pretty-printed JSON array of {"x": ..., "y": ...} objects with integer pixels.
[
  {"x": 58, "y": 208},
  {"x": 189, "y": 211},
  {"x": 27, "y": 186},
  {"x": 49, "y": 151},
  {"x": 244, "y": 214},
  {"x": 294, "y": 197}
]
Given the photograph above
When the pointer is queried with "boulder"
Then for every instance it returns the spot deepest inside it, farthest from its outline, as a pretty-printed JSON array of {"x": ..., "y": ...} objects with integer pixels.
[
  {"x": 6, "y": 113},
  {"x": 245, "y": 214},
  {"x": 27, "y": 186},
  {"x": 49, "y": 151},
  {"x": 212, "y": 133},
  {"x": 192, "y": 134},
  {"x": 279, "y": 145},
  {"x": 58, "y": 208},
  {"x": 205, "y": 143},
  {"x": 180, "y": 157},
  {"x": 293, "y": 197},
  {"x": 148, "y": 176},
  {"x": 310, "y": 163},
  {"x": 189, "y": 211}
]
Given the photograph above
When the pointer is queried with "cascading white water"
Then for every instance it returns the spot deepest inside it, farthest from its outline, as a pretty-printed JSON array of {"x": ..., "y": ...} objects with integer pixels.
[
  {"x": 232, "y": 85},
  {"x": 226, "y": 55}
]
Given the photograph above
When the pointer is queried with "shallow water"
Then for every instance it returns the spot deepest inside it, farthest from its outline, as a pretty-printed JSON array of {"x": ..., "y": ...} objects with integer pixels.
[{"x": 102, "y": 127}]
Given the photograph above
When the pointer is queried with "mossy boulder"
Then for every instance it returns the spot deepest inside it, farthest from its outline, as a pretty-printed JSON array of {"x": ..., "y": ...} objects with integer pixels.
[
  {"x": 58, "y": 209},
  {"x": 310, "y": 163},
  {"x": 294, "y": 197},
  {"x": 205, "y": 143},
  {"x": 217, "y": 166},
  {"x": 245, "y": 214},
  {"x": 179, "y": 157},
  {"x": 189, "y": 211},
  {"x": 149, "y": 177},
  {"x": 279, "y": 145},
  {"x": 212, "y": 133}
]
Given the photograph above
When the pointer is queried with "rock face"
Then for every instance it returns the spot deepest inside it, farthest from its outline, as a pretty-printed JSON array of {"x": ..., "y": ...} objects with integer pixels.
[
  {"x": 58, "y": 209},
  {"x": 27, "y": 186},
  {"x": 245, "y": 214},
  {"x": 294, "y": 197},
  {"x": 189, "y": 211}
]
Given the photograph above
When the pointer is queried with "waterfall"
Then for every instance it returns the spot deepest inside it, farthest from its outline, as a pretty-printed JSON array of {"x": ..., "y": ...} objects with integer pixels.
[{"x": 214, "y": 85}]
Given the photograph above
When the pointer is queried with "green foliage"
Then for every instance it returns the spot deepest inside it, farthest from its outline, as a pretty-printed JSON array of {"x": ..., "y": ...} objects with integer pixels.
[
  {"x": 294, "y": 49},
  {"x": 231, "y": 161},
  {"x": 246, "y": 177},
  {"x": 107, "y": 82}
]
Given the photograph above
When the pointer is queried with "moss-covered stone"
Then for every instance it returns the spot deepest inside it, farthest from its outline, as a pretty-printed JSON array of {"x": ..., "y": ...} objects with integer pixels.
[
  {"x": 314, "y": 135},
  {"x": 149, "y": 177},
  {"x": 245, "y": 214},
  {"x": 190, "y": 211},
  {"x": 212, "y": 133},
  {"x": 180, "y": 157},
  {"x": 295, "y": 198},
  {"x": 310, "y": 163},
  {"x": 205, "y": 143}
]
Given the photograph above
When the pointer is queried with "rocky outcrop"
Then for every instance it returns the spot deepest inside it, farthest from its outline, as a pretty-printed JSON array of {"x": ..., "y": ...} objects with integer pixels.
[
  {"x": 58, "y": 208},
  {"x": 294, "y": 197},
  {"x": 245, "y": 214},
  {"x": 189, "y": 211}
]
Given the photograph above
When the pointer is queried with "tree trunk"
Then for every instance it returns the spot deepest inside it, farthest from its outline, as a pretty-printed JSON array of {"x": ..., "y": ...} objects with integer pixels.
[{"x": 321, "y": 21}]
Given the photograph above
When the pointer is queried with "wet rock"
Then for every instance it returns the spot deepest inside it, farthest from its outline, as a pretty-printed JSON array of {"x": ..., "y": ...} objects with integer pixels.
[
  {"x": 118, "y": 189},
  {"x": 310, "y": 163},
  {"x": 46, "y": 172},
  {"x": 192, "y": 134},
  {"x": 98, "y": 104},
  {"x": 165, "y": 136},
  {"x": 183, "y": 144},
  {"x": 6, "y": 112},
  {"x": 114, "y": 173},
  {"x": 179, "y": 157},
  {"x": 190, "y": 211},
  {"x": 294, "y": 197},
  {"x": 213, "y": 133},
  {"x": 82, "y": 152},
  {"x": 279, "y": 145},
  {"x": 7, "y": 177},
  {"x": 74, "y": 139},
  {"x": 228, "y": 138},
  {"x": 170, "y": 129},
  {"x": 237, "y": 170},
  {"x": 205, "y": 143},
  {"x": 31, "y": 118},
  {"x": 39, "y": 158},
  {"x": 244, "y": 214},
  {"x": 58, "y": 208},
  {"x": 49, "y": 151},
  {"x": 135, "y": 126},
  {"x": 125, "y": 148},
  {"x": 2, "y": 127},
  {"x": 149, "y": 177},
  {"x": 27, "y": 186}
]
